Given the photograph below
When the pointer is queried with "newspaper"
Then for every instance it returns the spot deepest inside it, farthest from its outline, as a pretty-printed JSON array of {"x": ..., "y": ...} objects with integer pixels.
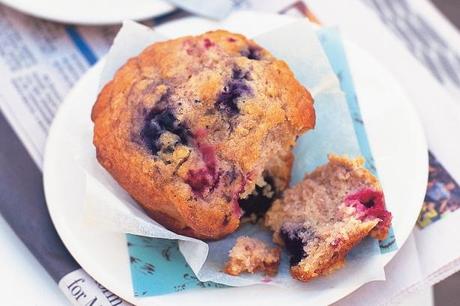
[
  {"x": 40, "y": 61},
  {"x": 420, "y": 47}
]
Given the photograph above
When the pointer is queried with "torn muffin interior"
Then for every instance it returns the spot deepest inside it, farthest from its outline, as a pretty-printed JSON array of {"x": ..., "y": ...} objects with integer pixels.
[
  {"x": 256, "y": 204},
  {"x": 252, "y": 255},
  {"x": 321, "y": 218}
]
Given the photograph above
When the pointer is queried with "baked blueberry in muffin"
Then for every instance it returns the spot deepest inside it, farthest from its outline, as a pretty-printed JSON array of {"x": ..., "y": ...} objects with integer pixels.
[
  {"x": 194, "y": 126},
  {"x": 323, "y": 217}
]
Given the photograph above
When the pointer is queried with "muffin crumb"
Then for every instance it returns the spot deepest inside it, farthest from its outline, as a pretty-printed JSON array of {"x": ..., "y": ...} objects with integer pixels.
[{"x": 252, "y": 255}]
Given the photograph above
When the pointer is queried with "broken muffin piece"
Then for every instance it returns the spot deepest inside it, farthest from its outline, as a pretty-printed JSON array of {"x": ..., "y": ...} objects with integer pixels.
[
  {"x": 323, "y": 217},
  {"x": 252, "y": 255}
]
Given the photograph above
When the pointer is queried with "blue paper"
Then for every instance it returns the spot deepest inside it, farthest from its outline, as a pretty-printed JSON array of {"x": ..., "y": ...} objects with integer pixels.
[{"x": 158, "y": 267}]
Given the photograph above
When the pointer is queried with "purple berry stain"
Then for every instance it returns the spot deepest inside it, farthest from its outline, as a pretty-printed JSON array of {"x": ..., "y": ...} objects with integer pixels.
[
  {"x": 257, "y": 203},
  {"x": 227, "y": 101},
  {"x": 295, "y": 237},
  {"x": 208, "y": 43},
  {"x": 252, "y": 53},
  {"x": 207, "y": 177},
  {"x": 159, "y": 121}
]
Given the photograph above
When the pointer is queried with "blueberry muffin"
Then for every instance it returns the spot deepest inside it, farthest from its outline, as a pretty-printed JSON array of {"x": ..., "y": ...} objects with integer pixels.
[
  {"x": 323, "y": 217},
  {"x": 193, "y": 126},
  {"x": 252, "y": 255}
]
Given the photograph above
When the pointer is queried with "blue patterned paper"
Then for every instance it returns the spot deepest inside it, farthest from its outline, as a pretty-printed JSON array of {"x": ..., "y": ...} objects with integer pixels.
[
  {"x": 333, "y": 46},
  {"x": 158, "y": 267}
]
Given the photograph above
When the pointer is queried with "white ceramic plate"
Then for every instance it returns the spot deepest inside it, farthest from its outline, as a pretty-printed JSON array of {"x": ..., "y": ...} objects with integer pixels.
[
  {"x": 396, "y": 139},
  {"x": 96, "y": 12}
]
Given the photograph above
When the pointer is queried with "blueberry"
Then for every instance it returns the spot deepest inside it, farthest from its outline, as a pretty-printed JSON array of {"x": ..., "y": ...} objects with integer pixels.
[
  {"x": 166, "y": 119},
  {"x": 239, "y": 74},
  {"x": 295, "y": 237},
  {"x": 252, "y": 53},
  {"x": 159, "y": 121},
  {"x": 259, "y": 202},
  {"x": 152, "y": 129},
  {"x": 227, "y": 101}
]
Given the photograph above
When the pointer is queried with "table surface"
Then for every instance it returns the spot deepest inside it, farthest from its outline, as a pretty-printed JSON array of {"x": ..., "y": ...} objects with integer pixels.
[
  {"x": 451, "y": 9},
  {"x": 23, "y": 281}
]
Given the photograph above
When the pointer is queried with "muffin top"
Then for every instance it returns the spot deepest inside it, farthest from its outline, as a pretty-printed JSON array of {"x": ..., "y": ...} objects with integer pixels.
[{"x": 191, "y": 125}]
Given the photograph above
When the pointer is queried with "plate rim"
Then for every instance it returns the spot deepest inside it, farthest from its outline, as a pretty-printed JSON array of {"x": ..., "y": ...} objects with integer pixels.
[{"x": 162, "y": 8}]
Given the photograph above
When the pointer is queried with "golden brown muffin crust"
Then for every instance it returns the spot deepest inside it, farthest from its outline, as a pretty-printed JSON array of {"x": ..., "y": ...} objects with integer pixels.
[{"x": 191, "y": 125}]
